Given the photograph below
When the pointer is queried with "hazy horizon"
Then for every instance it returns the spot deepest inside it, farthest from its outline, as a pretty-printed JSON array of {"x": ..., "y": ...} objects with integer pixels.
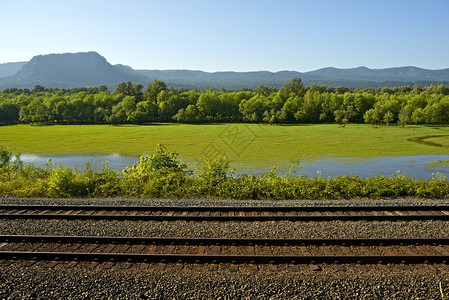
[{"x": 248, "y": 70}]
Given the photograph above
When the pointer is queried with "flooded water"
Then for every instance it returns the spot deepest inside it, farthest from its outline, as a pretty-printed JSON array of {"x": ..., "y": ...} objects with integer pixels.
[
  {"x": 418, "y": 166},
  {"x": 115, "y": 161}
]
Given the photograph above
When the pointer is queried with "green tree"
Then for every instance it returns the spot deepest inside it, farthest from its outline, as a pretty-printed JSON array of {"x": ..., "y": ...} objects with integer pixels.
[
  {"x": 188, "y": 115},
  {"x": 209, "y": 104},
  {"x": 311, "y": 108},
  {"x": 262, "y": 90},
  {"x": 137, "y": 91},
  {"x": 295, "y": 87},
  {"x": 404, "y": 116},
  {"x": 388, "y": 117},
  {"x": 371, "y": 116},
  {"x": 36, "y": 112},
  {"x": 343, "y": 116},
  {"x": 436, "y": 113},
  {"x": 9, "y": 113},
  {"x": 118, "y": 115},
  {"x": 153, "y": 90},
  {"x": 38, "y": 89},
  {"x": 291, "y": 106},
  {"x": 340, "y": 117},
  {"x": 419, "y": 116},
  {"x": 146, "y": 111},
  {"x": 125, "y": 88},
  {"x": 254, "y": 108}
]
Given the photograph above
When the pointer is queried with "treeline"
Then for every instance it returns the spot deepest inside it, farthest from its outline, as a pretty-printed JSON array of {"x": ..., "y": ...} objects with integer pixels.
[
  {"x": 163, "y": 175},
  {"x": 293, "y": 103}
]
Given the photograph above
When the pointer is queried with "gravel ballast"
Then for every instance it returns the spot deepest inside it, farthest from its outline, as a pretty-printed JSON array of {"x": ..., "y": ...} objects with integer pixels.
[
  {"x": 283, "y": 229},
  {"x": 37, "y": 281},
  {"x": 82, "y": 283},
  {"x": 219, "y": 202}
]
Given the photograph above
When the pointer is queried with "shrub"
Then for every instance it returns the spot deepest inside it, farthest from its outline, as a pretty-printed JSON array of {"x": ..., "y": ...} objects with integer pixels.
[
  {"x": 213, "y": 172},
  {"x": 343, "y": 187},
  {"x": 163, "y": 183},
  {"x": 437, "y": 187},
  {"x": 156, "y": 171},
  {"x": 104, "y": 183},
  {"x": 5, "y": 157},
  {"x": 64, "y": 182}
]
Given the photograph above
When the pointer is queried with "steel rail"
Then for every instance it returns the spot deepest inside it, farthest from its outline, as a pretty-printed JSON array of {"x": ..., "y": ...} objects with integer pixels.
[
  {"x": 221, "y": 241},
  {"x": 193, "y": 258},
  {"x": 49, "y": 213},
  {"x": 218, "y": 258},
  {"x": 335, "y": 217},
  {"x": 226, "y": 208}
]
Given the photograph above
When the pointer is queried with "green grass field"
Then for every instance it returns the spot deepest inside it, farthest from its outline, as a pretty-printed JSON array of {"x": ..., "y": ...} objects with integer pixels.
[{"x": 250, "y": 144}]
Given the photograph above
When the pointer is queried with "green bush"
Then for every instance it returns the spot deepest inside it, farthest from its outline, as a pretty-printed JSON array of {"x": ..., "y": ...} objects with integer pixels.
[
  {"x": 154, "y": 175},
  {"x": 213, "y": 171},
  {"x": 5, "y": 157},
  {"x": 343, "y": 187},
  {"x": 64, "y": 182},
  {"x": 101, "y": 184},
  {"x": 437, "y": 187},
  {"x": 163, "y": 183}
]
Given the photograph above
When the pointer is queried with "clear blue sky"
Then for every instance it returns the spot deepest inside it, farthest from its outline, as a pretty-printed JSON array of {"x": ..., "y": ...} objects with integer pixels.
[{"x": 232, "y": 35}]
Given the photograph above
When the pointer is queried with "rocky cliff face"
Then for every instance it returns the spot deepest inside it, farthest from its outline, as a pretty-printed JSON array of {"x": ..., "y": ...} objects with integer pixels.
[{"x": 74, "y": 69}]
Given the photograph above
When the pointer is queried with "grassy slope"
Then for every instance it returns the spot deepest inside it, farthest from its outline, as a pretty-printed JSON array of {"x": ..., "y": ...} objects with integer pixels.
[{"x": 258, "y": 145}]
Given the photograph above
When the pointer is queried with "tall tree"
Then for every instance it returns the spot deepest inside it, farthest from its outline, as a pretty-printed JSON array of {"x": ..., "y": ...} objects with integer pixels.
[{"x": 154, "y": 88}]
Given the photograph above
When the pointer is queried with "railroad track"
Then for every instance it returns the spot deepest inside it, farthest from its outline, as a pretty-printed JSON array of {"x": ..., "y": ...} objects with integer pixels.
[
  {"x": 279, "y": 213},
  {"x": 220, "y": 250}
]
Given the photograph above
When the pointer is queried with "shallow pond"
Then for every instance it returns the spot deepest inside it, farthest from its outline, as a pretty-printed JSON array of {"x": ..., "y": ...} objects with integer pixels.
[
  {"x": 115, "y": 161},
  {"x": 418, "y": 166}
]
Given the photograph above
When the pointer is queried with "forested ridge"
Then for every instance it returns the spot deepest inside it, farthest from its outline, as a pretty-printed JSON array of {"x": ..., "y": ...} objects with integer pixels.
[
  {"x": 68, "y": 70},
  {"x": 293, "y": 103}
]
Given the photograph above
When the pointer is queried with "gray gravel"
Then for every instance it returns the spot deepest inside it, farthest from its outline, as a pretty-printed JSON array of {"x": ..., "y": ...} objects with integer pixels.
[
  {"x": 82, "y": 283},
  {"x": 284, "y": 229},
  {"x": 219, "y": 202},
  {"x": 19, "y": 282}
]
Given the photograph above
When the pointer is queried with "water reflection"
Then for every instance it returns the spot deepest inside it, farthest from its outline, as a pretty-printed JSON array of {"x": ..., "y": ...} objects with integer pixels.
[
  {"x": 417, "y": 166},
  {"x": 115, "y": 161}
]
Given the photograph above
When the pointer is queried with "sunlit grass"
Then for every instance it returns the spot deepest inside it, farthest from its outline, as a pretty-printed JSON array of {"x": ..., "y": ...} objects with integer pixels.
[{"x": 259, "y": 145}]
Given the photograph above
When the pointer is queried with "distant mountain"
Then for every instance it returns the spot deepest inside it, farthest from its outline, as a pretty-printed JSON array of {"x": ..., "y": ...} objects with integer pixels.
[
  {"x": 91, "y": 69},
  {"x": 70, "y": 70},
  {"x": 9, "y": 69},
  {"x": 228, "y": 80},
  {"x": 402, "y": 74},
  {"x": 358, "y": 77}
]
